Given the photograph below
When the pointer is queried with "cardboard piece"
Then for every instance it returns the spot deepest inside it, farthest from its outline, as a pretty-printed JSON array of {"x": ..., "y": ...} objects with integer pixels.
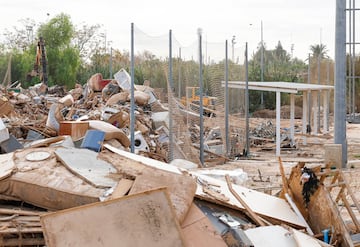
[
  {"x": 181, "y": 192},
  {"x": 199, "y": 231},
  {"x": 145, "y": 219}
]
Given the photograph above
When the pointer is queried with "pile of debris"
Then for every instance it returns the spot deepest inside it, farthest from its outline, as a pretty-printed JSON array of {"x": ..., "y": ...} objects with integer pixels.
[
  {"x": 104, "y": 105},
  {"x": 66, "y": 171},
  {"x": 59, "y": 195}
]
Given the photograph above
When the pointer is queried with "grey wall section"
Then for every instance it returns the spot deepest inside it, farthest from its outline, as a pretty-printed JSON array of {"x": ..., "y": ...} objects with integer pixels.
[{"x": 340, "y": 79}]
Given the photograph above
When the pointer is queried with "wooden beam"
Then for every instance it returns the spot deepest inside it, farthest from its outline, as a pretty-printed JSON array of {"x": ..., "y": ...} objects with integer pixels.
[
  {"x": 252, "y": 214},
  {"x": 352, "y": 215}
]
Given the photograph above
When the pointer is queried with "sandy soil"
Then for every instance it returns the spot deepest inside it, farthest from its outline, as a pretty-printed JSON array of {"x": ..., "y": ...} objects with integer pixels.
[{"x": 262, "y": 167}]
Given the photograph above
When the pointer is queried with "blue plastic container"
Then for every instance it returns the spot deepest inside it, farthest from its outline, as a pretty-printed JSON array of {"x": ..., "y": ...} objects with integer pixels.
[{"x": 93, "y": 140}]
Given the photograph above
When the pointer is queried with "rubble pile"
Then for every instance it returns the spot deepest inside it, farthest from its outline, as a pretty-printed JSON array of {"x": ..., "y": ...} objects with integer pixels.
[
  {"x": 31, "y": 112},
  {"x": 67, "y": 177}
]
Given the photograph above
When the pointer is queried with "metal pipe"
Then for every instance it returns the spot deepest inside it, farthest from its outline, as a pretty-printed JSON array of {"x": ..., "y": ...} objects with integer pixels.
[
  {"x": 227, "y": 99},
  {"x": 110, "y": 63},
  {"x": 340, "y": 79},
  {"x": 262, "y": 66},
  {"x": 318, "y": 93},
  {"x": 353, "y": 61},
  {"x": 132, "y": 100},
  {"x": 349, "y": 82},
  {"x": 170, "y": 99},
  {"x": 247, "y": 148},
  {"x": 308, "y": 127},
  {"x": 179, "y": 73},
  {"x": 201, "y": 101}
]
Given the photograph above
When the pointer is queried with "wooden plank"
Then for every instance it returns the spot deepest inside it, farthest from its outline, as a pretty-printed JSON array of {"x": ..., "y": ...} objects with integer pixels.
[
  {"x": 34, "y": 241},
  {"x": 252, "y": 215},
  {"x": 199, "y": 231},
  {"x": 350, "y": 211},
  {"x": 122, "y": 188},
  {"x": 19, "y": 212},
  {"x": 25, "y": 230},
  {"x": 261, "y": 203},
  {"x": 84, "y": 163},
  {"x": 144, "y": 219},
  {"x": 181, "y": 192}
]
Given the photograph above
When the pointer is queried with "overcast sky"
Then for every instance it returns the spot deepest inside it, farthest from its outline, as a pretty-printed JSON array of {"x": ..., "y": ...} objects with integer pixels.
[{"x": 298, "y": 22}]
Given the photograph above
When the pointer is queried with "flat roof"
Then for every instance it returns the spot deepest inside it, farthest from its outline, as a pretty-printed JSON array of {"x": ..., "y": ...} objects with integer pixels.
[{"x": 278, "y": 86}]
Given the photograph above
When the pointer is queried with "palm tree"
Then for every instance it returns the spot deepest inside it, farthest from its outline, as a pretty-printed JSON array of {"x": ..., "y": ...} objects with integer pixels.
[{"x": 319, "y": 51}]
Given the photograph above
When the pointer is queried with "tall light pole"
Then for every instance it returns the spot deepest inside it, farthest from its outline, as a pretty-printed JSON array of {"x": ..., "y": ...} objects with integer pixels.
[
  {"x": 232, "y": 47},
  {"x": 262, "y": 66}
]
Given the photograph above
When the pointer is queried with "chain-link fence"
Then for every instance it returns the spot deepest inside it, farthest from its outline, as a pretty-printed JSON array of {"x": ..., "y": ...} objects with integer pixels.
[{"x": 171, "y": 72}]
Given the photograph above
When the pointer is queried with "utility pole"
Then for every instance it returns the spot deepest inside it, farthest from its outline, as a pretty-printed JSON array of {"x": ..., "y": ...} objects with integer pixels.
[
  {"x": 340, "y": 79},
  {"x": 262, "y": 66},
  {"x": 110, "y": 63},
  {"x": 232, "y": 47}
]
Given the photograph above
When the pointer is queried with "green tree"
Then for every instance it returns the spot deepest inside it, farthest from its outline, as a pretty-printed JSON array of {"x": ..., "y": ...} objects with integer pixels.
[
  {"x": 278, "y": 66},
  {"x": 319, "y": 51},
  {"x": 63, "y": 57}
]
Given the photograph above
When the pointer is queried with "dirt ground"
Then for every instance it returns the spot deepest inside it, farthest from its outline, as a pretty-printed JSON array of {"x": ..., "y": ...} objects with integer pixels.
[{"x": 262, "y": 167}]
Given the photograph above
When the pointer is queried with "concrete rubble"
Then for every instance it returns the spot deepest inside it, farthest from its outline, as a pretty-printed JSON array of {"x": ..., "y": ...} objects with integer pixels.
[{"x": 67, "y": 178}]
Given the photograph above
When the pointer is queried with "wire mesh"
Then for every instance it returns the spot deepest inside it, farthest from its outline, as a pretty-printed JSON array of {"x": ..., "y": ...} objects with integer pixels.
[{"x": 175, "y": 115}]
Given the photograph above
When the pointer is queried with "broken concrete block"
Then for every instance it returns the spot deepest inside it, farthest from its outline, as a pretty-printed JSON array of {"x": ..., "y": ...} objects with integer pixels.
[
  {"x": 4, "y": 132},
  {"x": 93, "y": 140}
]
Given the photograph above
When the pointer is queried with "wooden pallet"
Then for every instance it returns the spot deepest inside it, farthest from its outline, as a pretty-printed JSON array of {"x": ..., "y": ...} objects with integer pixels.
[{"x": 20, "y": 228}]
